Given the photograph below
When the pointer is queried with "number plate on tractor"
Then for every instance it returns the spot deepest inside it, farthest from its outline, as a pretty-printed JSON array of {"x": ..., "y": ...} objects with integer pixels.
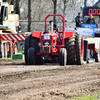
[{"x": 46, "y": 37}]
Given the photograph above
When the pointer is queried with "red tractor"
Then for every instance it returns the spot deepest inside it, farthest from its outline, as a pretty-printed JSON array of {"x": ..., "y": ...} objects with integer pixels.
[{"x": 67, "y": 46}]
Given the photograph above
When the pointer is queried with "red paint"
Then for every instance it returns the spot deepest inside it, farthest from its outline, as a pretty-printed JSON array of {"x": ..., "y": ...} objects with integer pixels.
[
  {"x": 54, "y": 50},
  {"x": 36, "y": 34},
  {"x": 17, "y": 22},
  {"x": 15, "y": 37},
  {"x": 99, "y": 47},
  {"x": 82, "y": 49},
  {"x": 91, "y": 46},
  {"x": 20, "y": 36},
  {"x": 5, "y": 36},
  {"x": 10, "y": 21},
  {"x": 10, "y": 37},
  {"x": 68, "y": 34},
  {"x": 55, "y": 15},
  {"x": 0, "y": 37}
]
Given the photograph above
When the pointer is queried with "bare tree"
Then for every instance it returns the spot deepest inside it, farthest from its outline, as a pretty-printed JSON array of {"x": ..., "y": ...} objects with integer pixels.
[
  {"x": 55, "y": 6},
  {"x": 16, "y": 7},
  {"x": 23, "y": 9},
  {"x": 65, "y": 2},
  {"x": 41, "y": 8},
  {"x": 85, "y": 3},
  {"x": 29, "y": 15}
]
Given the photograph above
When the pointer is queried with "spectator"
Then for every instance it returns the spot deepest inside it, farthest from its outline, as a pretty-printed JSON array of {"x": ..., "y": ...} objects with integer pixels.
[
  {"x": 78, "y": 20},
  {"x": 90, "y": 20}
]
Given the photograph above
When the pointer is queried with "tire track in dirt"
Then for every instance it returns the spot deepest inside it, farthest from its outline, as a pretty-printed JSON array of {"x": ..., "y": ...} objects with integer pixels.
[{"x": 49, "y": 81}]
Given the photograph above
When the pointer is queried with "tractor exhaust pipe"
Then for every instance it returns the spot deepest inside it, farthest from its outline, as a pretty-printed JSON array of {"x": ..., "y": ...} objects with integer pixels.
[{"x": 51, "y": 27}]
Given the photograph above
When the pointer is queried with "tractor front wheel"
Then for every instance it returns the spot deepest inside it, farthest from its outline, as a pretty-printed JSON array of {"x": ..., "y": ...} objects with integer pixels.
[
  {"x": 31, "y": 56},
  {"x": 63, "y": 57},
  {"x": 27, "y": 45}
]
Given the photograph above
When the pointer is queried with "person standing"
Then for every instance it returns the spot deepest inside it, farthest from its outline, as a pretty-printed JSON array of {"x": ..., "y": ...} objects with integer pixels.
[{"x": 78, "y": 19}]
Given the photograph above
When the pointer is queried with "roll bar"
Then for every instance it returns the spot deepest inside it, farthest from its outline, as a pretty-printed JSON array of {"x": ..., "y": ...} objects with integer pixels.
[{"x": 55, "y": 15}]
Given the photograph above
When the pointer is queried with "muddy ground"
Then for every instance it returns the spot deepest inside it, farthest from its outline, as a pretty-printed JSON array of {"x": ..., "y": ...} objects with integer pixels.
[{"x": 47, "y": 82}]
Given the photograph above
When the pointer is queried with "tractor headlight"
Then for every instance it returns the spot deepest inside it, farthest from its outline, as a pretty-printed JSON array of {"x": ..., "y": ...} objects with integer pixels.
[{"x": 39, "y": 44}]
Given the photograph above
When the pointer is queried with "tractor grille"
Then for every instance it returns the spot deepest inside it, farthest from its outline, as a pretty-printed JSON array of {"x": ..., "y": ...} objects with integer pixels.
[
  {"x": 46, "y": 37},
  {"x": 46, "y": 43}
]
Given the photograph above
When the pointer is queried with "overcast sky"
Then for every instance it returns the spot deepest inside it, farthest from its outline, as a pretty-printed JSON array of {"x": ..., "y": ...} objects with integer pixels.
[{"x": 89, "y": 2}]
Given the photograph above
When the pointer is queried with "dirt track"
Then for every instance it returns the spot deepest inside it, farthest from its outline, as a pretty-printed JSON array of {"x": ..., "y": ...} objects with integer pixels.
[{"x": 47, "y": 82}]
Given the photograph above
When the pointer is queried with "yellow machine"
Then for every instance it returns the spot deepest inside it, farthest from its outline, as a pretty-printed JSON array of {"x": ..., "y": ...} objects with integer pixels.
[{"x": 9, "y": 22}]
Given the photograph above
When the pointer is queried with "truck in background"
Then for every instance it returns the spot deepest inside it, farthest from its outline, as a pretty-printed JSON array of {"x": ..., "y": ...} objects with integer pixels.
[{"x": 9, "y": 30}]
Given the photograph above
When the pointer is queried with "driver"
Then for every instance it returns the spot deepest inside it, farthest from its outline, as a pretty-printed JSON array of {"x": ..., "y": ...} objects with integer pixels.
[
  {"x": 55, "y": 28},
  {"x": 54, "y": 25}
]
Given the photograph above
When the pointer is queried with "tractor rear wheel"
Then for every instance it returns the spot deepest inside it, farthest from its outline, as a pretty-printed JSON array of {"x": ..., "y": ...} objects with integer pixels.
[
  {"x": 34, "y": 43},
  {"x": 0, "y": 54},
  {"x": 79, "y": 49},
  {"x": 30, "y": 42},
  {"x": 70, "y": 47},
  {"x": 97, "y": 57},
  {"x": 62, "y": 57},
  {"x": 27, "y": 45},
  {"x": 31, "y": 56}
]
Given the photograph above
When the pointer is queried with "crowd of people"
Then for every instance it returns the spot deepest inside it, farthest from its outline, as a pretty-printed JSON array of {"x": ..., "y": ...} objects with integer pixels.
[{"x": 78, "y": 20}]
